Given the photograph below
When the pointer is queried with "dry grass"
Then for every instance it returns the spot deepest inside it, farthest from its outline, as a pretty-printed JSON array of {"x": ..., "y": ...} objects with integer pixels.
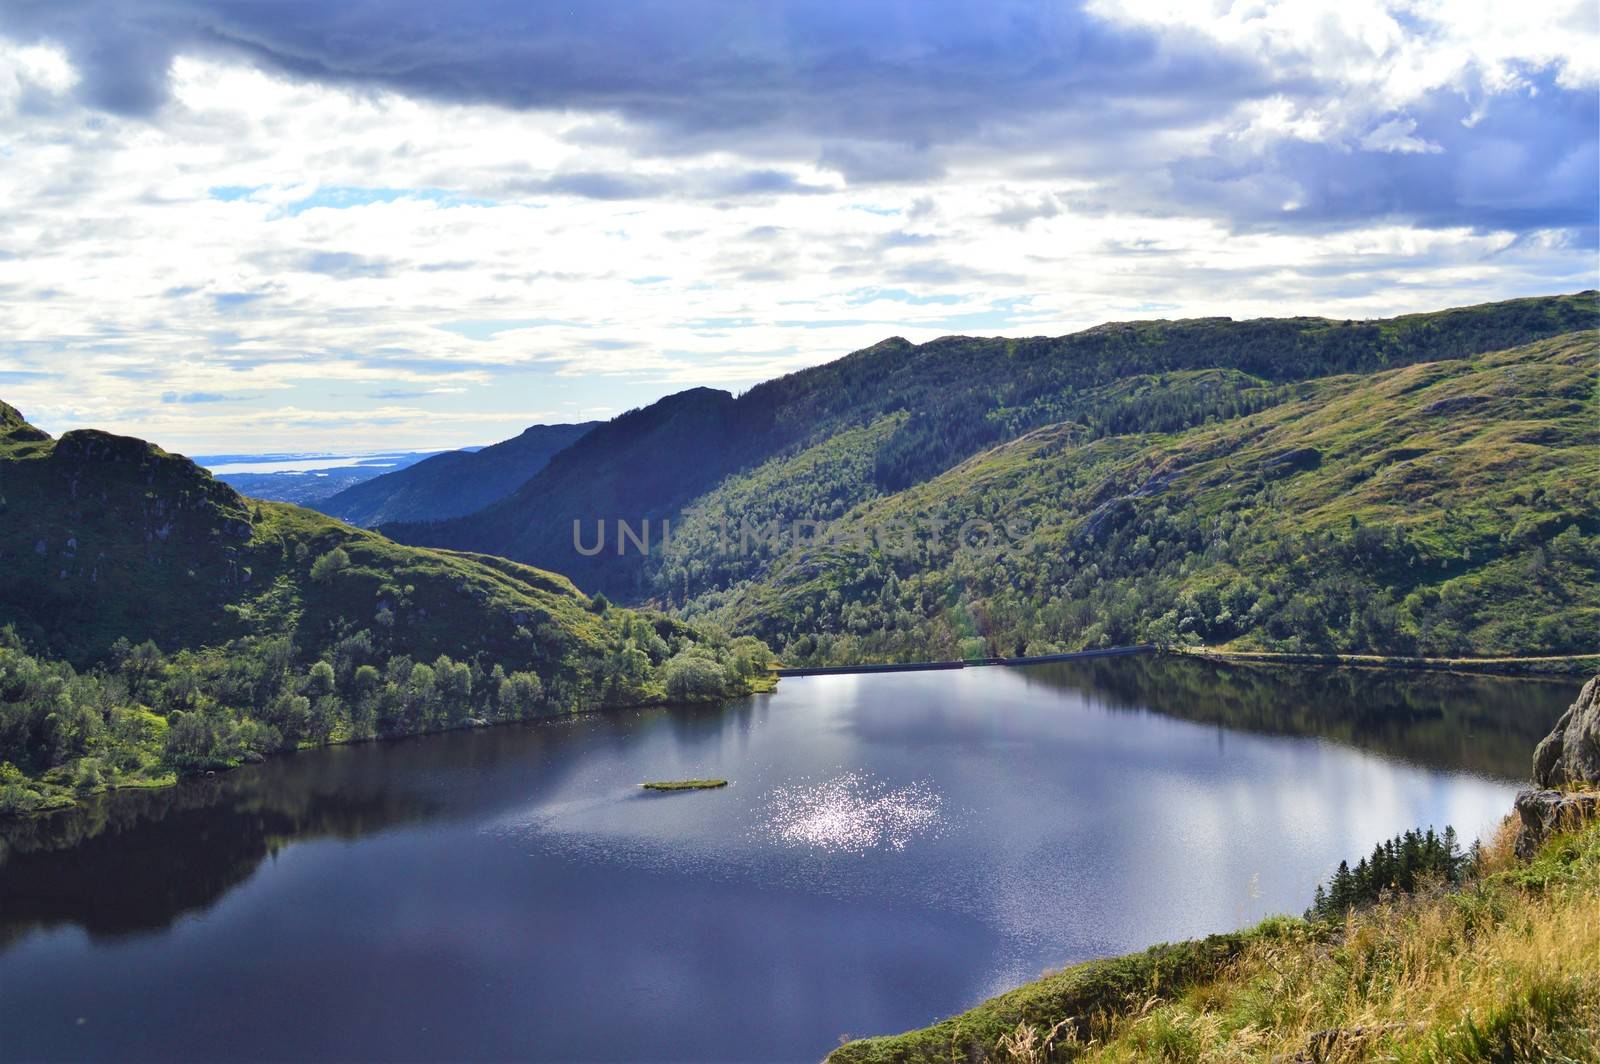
[
  {"x": 1508, "y": 970},
  {"x": 1498, "y": 851},
  {"x": 1504, "y": 969}
]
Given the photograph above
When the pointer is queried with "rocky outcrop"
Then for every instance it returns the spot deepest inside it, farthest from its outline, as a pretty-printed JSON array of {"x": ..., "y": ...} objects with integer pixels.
[
  {"x": 1541, "y": 814},
  {"x": 1564, "y": 761},
  {"x": 1570, "y": 754}
]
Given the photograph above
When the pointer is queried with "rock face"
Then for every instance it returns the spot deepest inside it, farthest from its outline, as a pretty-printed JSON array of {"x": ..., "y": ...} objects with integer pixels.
[
  {"x": 1569, "y": 757},
  {"x": 1543, "y": 813},
  {"x": 1570, "y": 754}
]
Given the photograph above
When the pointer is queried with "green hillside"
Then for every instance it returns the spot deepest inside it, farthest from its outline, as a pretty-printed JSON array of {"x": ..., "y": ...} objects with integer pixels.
[
  {"x": 1446, "y": 508},
  {"x": 152, "y": 622},
  {"x": 953, "y": 398}
]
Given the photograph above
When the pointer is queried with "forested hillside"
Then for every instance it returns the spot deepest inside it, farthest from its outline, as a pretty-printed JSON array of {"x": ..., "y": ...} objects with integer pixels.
[
  {"x": 1083, "y": 438},
  {"x": 153, "y": 622},
  {"x": 1448, "y": 508},
  {"x": 453, "y": 483}
]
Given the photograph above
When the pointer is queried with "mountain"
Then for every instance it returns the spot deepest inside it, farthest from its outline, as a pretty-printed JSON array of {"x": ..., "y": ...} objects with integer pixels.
[
  {"x": 1449, "y": 508},
  {"x": 641, "y": 466},
  {"x": 155, "y": 622},
  {"x": 884, "y": 427},
  {"x": 453, "y": 483}
]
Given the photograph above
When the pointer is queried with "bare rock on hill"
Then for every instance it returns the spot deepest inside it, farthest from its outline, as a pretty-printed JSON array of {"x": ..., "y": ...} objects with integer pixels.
[
  {"x": 1541, "y": 814},
  {"x": 1570, "y": 754},
  {"x": 1567, "y": 758}
]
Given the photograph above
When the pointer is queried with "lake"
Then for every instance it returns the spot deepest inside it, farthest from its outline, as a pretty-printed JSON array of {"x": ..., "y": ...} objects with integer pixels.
[{"x": 892, "y": 848}]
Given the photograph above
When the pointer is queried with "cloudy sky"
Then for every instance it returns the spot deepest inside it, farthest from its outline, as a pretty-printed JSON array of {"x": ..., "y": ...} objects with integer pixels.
[{"x": 291, "y": 225}]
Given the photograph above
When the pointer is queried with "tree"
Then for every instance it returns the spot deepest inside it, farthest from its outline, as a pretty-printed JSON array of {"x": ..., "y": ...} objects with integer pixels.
[
  {"x": 319, "y": 681},
  {"x": 520, "y": 695},
  {"x": 330, "y": 565},
  {"x": 691, "y": 678}
]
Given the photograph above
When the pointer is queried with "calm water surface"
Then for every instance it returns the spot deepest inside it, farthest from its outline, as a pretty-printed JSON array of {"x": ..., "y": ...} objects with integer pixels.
[{"x": 893, "y": 848}]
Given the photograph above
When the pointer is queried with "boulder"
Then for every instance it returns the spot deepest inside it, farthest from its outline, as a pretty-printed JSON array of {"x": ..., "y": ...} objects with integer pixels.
[
  {"x": 1570, "y": 755},
  {"x": 1566, "y": 768},
  {"x": 1541, "y": 814}
]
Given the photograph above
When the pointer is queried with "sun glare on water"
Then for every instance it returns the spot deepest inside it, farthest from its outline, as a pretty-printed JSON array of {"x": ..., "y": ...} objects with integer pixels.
[{"x": 852, "y": 813}]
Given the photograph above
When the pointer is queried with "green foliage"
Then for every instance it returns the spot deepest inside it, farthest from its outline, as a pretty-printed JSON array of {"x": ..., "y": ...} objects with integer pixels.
[
  {"x": 1397, "y": 866},
  {"x": 330, "y": 564},
  {"x": 1445, "y": 509},
  {"x": 949, "y": 400},
  {"x": 691, "y": 677},
  {"x": 157, "y": 625},
  {"x": 1083, "y": 997}
]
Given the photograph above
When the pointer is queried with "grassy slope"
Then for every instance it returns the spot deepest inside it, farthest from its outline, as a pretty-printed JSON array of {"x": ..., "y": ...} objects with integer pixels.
[
  {"x": 138, "y": 543},
  {"x": 1503, "y": 969},
  {"x": 957, "y": 396},
  {"x": 1419, "y": 510}
]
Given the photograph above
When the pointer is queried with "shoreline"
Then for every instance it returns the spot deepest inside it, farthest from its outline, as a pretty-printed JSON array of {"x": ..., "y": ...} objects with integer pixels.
[
  {"x": 1560, "y": 665},
  {"x": 173, "y": 778},
  {"x": 1554, "y": 666}
]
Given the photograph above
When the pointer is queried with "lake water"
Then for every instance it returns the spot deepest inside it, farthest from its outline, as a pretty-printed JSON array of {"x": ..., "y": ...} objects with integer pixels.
[{"x": 892, "y": 849}]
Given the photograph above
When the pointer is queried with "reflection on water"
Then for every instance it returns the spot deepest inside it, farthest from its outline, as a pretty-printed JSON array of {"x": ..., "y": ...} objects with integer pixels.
[
  {"x": 892, "y": 848},
  {"x": 852, "y": 813},
  {"x": 1483, "y": 724}
]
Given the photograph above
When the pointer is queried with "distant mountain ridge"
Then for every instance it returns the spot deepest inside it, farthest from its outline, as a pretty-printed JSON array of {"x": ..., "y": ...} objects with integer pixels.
[
  {"x": 642, "y": 465},
  {"x": 453, "y": 483},
  {"x": 921, "y": 410}
]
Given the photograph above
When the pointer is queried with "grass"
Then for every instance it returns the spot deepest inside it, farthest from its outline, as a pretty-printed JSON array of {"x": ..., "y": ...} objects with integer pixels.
[
  {"x": 683, "y": 785},
  {"x": 1503, "y": 969},
  {"x": 1449, "y": 513}
]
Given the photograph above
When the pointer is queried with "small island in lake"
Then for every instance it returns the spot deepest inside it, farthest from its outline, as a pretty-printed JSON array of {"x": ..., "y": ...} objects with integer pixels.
[{"x": 683, "y": 785}]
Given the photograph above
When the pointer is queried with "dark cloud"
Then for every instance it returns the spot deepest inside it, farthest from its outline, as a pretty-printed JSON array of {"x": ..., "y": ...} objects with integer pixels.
[
  {"x": 880, "y": 91},
  {"x": 1519, "y": 161},
  {"x": 914, "y": 73}
]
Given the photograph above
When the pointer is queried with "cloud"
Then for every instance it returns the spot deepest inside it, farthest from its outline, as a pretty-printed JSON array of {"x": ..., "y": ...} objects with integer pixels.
[
  {"x": 1512, "y": 161},
  {"x": 901, "y": 70},
  {"x": 694, "y": 184},
  {"x": 1018, "y": 212},
  {"x": 508, "y": 207},
  {"x": 344, "y": 265},
  {"x": 194, "y": 397}
]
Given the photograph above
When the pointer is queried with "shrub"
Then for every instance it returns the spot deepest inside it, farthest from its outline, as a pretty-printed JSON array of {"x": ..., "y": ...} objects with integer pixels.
[{"x": 330, "y": 564}]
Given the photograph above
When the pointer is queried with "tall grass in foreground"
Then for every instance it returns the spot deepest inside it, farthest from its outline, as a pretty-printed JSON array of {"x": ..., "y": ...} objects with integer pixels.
[
  {"x": 1504, "y": 968},
  {"x": 1507, "y": 970}
]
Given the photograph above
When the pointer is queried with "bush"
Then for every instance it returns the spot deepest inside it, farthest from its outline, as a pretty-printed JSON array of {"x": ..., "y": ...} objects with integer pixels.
[
  {"x": 691, "y": 678},
  {"x": 330, "y": 564}
]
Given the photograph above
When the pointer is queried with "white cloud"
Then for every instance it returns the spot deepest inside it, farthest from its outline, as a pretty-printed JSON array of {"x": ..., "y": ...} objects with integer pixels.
[{"x": 297, "y": 249}]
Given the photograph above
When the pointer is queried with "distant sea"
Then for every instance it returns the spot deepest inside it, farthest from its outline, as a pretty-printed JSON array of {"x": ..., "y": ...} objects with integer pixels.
[{"x": 382, "y": 461}]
